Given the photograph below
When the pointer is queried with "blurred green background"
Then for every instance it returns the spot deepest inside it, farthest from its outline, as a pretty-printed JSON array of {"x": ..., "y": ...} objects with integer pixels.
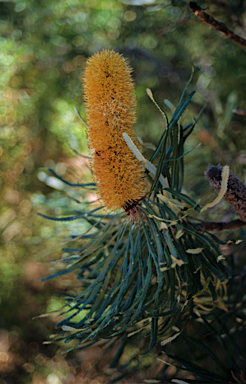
[{"x": 44, "y": 48}]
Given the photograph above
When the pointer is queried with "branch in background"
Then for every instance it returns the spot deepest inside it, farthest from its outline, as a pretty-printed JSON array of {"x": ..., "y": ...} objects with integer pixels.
[
  {"x": 236, "y": 191},
  {"x": 239, "y": 112},
  {"x": 219, "y": 26},
  {"x": 220, "y": 226}
]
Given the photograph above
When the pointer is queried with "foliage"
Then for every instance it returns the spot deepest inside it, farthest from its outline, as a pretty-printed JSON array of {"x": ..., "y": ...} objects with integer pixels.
[{"x": 144, "y": 275}]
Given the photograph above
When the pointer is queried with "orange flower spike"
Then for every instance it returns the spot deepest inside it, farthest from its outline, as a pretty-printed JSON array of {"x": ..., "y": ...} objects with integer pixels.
[{"x": 111, "y": 110}]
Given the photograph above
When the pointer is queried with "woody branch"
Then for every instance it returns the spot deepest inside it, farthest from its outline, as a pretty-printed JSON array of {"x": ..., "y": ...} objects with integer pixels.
[{"x": 218, "y": 25}]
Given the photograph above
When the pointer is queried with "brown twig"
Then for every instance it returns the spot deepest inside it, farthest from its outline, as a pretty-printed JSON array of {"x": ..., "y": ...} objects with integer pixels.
[
  {"x": 218, "y": 25},
  {"x": 219, "y": 226},
  {"x": 239, "y": 112}
]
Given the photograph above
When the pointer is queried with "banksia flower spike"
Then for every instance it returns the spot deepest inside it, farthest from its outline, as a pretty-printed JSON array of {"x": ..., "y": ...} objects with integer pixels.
[
  {"x": 236, "y": 190},
  {"x": 111, "y": 109}
]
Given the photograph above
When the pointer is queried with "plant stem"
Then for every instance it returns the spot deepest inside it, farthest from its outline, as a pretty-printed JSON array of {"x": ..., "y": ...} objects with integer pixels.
[
  {"x": 220, "y": 226},
  {"x": 218, "y": 25}
]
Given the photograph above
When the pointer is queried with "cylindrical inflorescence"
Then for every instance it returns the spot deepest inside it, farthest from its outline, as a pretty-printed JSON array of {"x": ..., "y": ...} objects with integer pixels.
[{"x": 111, "y": 110}]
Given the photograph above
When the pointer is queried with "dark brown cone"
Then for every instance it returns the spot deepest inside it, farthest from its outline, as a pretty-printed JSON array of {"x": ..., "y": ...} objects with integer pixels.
[{"x": 236, "y": 190}]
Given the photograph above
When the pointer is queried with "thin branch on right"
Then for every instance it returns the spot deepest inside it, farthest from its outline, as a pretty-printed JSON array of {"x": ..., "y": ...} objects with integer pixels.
[
  {"x": 219, "y": 226},
  {"x": 218, "y": 25}
]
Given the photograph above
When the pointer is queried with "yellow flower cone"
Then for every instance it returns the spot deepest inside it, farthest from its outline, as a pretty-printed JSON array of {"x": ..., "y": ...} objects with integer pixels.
[{"x": 111, "y": 110}]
